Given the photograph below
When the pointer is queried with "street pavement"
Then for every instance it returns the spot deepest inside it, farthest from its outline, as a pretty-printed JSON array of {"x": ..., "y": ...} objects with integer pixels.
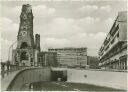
[{"x": 64, "y": 86}]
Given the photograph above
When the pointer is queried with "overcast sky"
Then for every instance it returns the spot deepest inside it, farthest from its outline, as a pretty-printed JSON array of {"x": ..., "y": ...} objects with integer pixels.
[{"x": 62, "y": 24}]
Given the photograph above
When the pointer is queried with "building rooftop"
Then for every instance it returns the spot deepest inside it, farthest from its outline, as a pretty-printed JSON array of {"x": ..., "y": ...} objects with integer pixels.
[{"x": 67, "y": 48}]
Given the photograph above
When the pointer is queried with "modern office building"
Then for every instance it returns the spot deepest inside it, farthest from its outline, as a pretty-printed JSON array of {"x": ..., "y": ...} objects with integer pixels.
[
  {"x": 47, "y": 59},
  {"x": 113, "y": 52},
  {"x": 93, "y": 62},
  {"x": 71, "y": 56}
]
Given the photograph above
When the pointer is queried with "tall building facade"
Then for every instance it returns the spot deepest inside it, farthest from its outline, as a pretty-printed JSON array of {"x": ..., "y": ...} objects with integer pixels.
[
  {"x": 47, "y": 59},
  {"x": 71, "y": 56},
  {"x": 113, "y": 52},
  {"x": 26, "y": 51}
]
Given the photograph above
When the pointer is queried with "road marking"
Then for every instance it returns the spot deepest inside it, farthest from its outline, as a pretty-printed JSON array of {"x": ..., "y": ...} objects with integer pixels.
[
  {"x": 56, "y": 83},
  {"x": 76, "y": 89},
  {"x": 59, "y": 84},
  {"x": 64, "y": 85}
]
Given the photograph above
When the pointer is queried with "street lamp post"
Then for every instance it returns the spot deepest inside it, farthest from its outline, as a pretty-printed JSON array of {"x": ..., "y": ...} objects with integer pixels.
[{"x": 11, "y": 46}]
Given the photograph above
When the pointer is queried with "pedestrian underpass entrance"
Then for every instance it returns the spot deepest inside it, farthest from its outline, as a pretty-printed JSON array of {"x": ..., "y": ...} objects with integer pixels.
[{"x": 58, "y": 75}]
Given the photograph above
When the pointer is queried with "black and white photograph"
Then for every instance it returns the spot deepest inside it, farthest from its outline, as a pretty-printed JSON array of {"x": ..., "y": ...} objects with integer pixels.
[{"x": 63, "y": 45}]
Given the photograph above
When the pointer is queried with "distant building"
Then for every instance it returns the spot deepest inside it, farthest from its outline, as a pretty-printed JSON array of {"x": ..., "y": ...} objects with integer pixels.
[
  {"x": 113, "y": 52},
  {"x": 47, "y": 59},
  {"x": 26, "y": 51},
  {"x": 71, "y": 56},
  {"x": 93, "y": 62}
]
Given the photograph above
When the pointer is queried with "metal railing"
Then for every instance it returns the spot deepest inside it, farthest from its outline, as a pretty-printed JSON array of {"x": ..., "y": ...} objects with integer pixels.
[{"x": 7, "y": 68}]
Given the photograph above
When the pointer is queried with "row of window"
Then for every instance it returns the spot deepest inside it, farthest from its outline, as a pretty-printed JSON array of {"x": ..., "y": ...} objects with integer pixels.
[
  {"x": 108, "y": 38},
  {"x": 117, "y": 36}
]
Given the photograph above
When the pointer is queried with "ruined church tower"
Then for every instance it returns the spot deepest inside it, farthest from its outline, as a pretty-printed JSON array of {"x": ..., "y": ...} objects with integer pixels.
[
  {"x": 25, "y": 36},
  {"x": 26, "y": 53}
]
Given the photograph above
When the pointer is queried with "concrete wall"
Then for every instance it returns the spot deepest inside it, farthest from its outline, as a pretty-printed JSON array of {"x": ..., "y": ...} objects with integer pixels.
[
  {"x": 29, "y": 76},
  {"x": 102, "y": 78}
]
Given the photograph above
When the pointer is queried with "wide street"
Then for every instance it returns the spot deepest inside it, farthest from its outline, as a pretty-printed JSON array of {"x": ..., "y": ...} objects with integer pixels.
[{"x": 64, "y": 86}]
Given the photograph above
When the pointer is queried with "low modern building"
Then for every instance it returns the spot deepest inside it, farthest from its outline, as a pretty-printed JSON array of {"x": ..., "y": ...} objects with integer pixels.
[
  {"x": 47, "y": 59},
  {"x": 93, "y": 62},
  {"x": 113, "y": 52},
  {"x": 71, "y": 56}
]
